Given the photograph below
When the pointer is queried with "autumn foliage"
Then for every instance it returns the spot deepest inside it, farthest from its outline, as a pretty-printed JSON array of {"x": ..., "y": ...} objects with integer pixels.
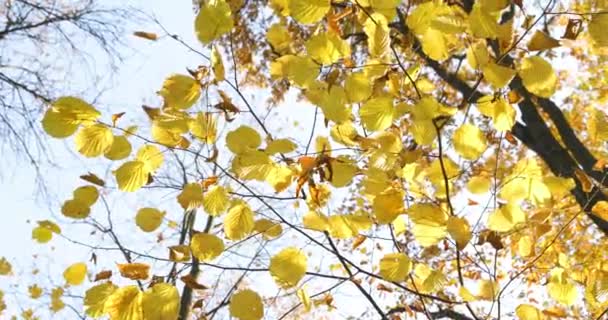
[{"x": 454, "y": 165}]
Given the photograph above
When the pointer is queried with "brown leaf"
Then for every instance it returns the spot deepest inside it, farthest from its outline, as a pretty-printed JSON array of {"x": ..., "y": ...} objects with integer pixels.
[
  {"x": 509, "y": 136},
  {"x": 179, "y": 253},
  {"x": 198, "y": 304},
  {"x": 573, "y": 29},
  {"x": 192, "y": 284},
  {"x": 92, "y": 178},
  {"x": 116, "y": 116},
  {"x": 358, "y": 241},
  {"x": 146, "y": 35},
  {"x": 103, "y": 275},
  {"x": 492, "y": 238},
  {"x": 382, "y": 287},
  {"x": 152, "y": 113},
  {"x": 586, "y": 182},
  {"x": 134, "y": 271}
]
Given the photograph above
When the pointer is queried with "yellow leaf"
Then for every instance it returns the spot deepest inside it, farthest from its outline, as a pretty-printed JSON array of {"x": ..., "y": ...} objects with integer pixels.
[
  {"x": 434, "y": 44},
  {"x": 482, "y": 23},
  {"x": 430, "y": 223},
  {"x": 597, "y": 29},
  {"x": 388, "y": 205},
  {"x": 93, "y": 141},
  {"x": 288, "y": 267},
  {"x": 479, "y": 184},
  {"x": 302, "y": 71},
  {"x": 315, "y": 221},
  {"x": 88, "y": 195},
  {"x": 334, "y": 106},
  {"x": 206, "y": 247},
  {"x": 428, "y": 22},
  {"x": 466, "y": 295},
  {"x": 134, "y": 271},
  {"x": 600, "y": 209},
  {"x": 344, "y": 170},
  {"x": 120, "y": 149},
  {"x": 132, "y": 175},
  {"x": 253, "y": 165},
  {"x": 378, "y": 36},
  {"x": 501, "y": 112},
  {"x": 243, "y": 139},
  {"x": 66, "y": 114},
  {"x": 478, "y": 55},
  {"x": 238, "y": 223},
  {"x": 487, "y": 290},
  {"x": 498, "y": 76},
  {"x": 41, "y": 234},
  {"x": 304, "y": 299},
  {"x": 5, "y": 267},
  {"x": 95, "y": 298},
  {"x": 279, "y": 38},
  {"x": 149, "y": 219},
  {"x": 559, "y": 187},
  {"x": 151, "y": 157},
  {"x": 125, "y": 304},
  {"x": 340, "y": 227},
  {"x": 460, "y": 230},
  {"x": 377, "y": 113},
  {"x": 204, "y": 127},
  {"x": 327, "y": 48},
  {"x": 191, "y": 196},
  {"x": 280, "y": 146},
  {"x": 44, "y": 232},
  {"x": 215, "y": 200},
  {"x": 217, "y": 64},
  {"x": 35, "y": 291},
  {"x": 505, "y": 218},
  {"x": 268, "y": 229},
  {"x": 214, "y": 20},
  {"x": 75, "y": 274},
  {"x": 179, "y": 253},
  {"x": 428, "y": 280},
  {"x": 309, "y": 11},
  {"x": 538, "y": 76},
  {"x": 525, "y": 246},
  {"x": 246, "y": 305},
  {"x": 561, "y": 288},
  {"x": 75, "y": 209},
  {"x": 395, "y": 267},
  {"x": 528, "y": 312},
  {"x": 469, "y": 141},
  {"x": 358, "y": 87},
  {"x": 542, "y": 41},
  {"x": 180, "y": 91},
  {"x": 56, "y": 303},
  {"x": 161, "y": 302}
]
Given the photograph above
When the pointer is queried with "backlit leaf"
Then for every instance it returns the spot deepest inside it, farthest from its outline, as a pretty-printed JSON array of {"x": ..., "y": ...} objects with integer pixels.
[
  {"x": 395, "y": 267},
  {"x": 246, "y": 305},
  {"x": 149, "y": 219},
  {"x": 538, "y": 76},
  {"x": 238, "y": 222},
  {"x": 206, "y": 247},
  {"x": 75, "y": 274},
  {"x": 213, "y": 20},
  {"x": 288, "y": 267}
]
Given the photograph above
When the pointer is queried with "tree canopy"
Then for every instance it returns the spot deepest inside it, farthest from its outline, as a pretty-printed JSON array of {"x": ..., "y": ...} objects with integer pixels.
[{"x": 379, "y": 159}]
